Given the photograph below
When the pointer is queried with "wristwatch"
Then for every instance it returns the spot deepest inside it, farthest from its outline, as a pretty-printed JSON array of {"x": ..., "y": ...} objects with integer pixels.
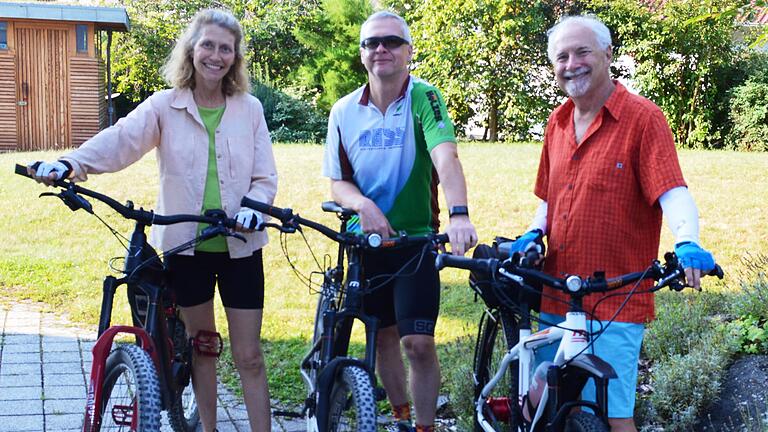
[{"x": 458, "y": 211}]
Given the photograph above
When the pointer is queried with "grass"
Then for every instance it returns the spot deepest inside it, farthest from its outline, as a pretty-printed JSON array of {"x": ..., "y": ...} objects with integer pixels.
[{"x": 53, "y": 256}]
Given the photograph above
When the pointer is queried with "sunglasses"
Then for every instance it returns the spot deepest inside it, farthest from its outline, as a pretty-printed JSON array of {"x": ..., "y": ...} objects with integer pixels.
[{"x": 389, "y": 42}]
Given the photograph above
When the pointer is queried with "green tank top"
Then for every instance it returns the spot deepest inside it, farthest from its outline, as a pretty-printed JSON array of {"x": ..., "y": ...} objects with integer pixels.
[{"x": 212, "y": 195}]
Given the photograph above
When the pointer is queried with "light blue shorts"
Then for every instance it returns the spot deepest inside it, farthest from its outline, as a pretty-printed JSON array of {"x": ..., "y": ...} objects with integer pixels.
[{"x": 619, "y": 345}]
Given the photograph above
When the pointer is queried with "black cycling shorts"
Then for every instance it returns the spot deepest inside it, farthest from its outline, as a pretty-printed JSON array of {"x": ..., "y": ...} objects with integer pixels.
[
  {"x": 241, "y": 281},
  {"x": 412, "y": 301}
]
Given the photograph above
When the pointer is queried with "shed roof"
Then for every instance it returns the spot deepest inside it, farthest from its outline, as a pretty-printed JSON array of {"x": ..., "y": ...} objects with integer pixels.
[{"x": 112, "y": 18}]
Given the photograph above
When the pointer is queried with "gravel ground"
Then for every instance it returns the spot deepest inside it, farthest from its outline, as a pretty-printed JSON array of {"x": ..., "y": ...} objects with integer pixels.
[{"x": 743, "y": 400}]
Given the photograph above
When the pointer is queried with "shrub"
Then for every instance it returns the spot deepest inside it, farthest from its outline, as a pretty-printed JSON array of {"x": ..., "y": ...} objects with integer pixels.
[
  {"x": 749, "y": 116},
  {"x": 683, "y": 384},
  {"x": 289, "y": 117},
  {"x": 684, "y": 322}
]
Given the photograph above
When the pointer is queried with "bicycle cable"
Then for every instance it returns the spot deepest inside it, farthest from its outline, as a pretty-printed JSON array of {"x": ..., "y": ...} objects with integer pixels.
[{"x": 399, "y": 273}]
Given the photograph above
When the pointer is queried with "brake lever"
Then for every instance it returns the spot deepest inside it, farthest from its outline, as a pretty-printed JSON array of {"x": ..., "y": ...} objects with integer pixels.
[
  {"x": 288, "y": 229},
  {"x": 71, "y": 199}
]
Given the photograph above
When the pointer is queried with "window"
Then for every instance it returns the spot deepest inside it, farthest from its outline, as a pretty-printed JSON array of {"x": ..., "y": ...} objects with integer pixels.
[
  {"x": 3, "y": 35},
  {"x": 81, "y": 34}
]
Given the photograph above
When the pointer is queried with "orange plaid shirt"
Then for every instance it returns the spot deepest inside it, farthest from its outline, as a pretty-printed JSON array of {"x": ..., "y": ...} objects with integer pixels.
[{"x": 602, "y": 195}]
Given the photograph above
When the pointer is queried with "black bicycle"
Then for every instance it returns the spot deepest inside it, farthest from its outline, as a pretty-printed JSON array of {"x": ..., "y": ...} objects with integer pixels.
[
  {"x": 340, "y": 388},
  {"x": 503, "y": 356},
  {"x": 132, "y": 383}
]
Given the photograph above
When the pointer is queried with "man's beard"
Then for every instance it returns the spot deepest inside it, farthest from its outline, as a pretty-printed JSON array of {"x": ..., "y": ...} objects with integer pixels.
[{"x": 580, "y": 85}]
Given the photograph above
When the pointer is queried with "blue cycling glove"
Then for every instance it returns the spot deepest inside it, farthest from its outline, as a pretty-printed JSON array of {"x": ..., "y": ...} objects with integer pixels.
[
  {"x": 528, "y": 241},
  {"x": 692, "y": 255}
]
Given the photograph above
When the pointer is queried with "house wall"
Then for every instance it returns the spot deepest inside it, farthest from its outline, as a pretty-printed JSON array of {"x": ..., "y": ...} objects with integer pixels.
[
  {"x": 78, "y": 105},
  {"x": 8, "y": 130}
]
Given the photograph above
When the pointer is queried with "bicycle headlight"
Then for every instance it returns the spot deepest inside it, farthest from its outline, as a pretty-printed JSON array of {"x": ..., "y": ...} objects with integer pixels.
[{"x": 573, "y": 283}]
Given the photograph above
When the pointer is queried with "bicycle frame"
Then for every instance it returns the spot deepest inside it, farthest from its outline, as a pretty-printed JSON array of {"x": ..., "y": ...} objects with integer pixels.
[
  {"x": 572, "y": 366},
  {"x": 572, "y": 335},
  {"x": 338, "y": 321},
  {"x": 152, "y": 337}
]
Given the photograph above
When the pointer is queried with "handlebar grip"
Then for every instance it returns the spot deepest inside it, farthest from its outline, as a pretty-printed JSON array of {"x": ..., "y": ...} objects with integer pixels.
[
  {"x": 471, "y": 264},
  {"x": 442, "y": 238},
  {"x": 282, "y": 214},
  {"x": 22, "y": 171}
]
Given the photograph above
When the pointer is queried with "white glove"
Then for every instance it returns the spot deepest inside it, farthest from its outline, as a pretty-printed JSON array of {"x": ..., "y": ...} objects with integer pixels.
[
  {"x": 44, "y": 170},
  {"x": 250, "y": 219}
]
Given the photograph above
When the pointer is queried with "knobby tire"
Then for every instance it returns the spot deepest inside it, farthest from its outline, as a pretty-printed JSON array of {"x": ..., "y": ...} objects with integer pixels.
[
  {"x": 352, "y": 402},
  {"x": 131, "y": 389},
  {"x": 584, "y": 422},
  {"x": 498, "y": 332},
  {"x": 183, "y": 415}
]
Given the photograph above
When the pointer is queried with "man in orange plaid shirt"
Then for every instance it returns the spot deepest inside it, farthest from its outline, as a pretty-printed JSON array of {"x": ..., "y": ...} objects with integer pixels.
[{"x": 608, "y": 171}]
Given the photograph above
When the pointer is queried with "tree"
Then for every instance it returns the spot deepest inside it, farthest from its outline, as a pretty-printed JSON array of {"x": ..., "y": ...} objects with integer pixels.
[
  {"x": 139, "y": 54},
  {"x": 274, "y": 53},
  {"x": 488, "y": 57},
  {"x": 330, "y": 35},
  {"x": 681, "y": 67}
]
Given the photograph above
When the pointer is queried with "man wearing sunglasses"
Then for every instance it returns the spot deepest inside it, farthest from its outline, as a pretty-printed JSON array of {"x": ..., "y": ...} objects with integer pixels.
[{"x": 388, "y": 144}]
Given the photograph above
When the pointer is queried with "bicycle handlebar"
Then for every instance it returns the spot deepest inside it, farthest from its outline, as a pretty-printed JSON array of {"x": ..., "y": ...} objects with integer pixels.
[
  {"x": 291, "y": 222},
  {"x": 668, "y": 274},
  {"x": 71, "y": 197}
]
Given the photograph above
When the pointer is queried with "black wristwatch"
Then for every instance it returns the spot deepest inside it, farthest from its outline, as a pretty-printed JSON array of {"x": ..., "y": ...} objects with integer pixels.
[{"x": 458, "y": 211}]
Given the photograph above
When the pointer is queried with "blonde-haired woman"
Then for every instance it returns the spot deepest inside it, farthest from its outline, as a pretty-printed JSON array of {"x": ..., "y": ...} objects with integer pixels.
[{"x": 212, "y": 148}]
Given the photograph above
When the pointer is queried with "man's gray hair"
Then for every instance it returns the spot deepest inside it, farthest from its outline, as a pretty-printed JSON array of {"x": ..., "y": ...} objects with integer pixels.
[
  {"x": 602, "y": 34},
  {"x": 385, "y": 14}
]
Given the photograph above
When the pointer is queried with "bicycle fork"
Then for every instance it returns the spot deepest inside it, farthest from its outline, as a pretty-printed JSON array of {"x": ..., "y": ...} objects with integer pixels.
[{"x": 101, "y": 350}]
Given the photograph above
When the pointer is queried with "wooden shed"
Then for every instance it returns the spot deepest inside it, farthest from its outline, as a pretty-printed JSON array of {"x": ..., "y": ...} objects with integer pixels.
[{"x": 52, "y": 77}]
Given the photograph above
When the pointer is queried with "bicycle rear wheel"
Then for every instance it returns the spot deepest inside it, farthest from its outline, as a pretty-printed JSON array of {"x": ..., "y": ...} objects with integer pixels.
[
  {"x": 182, "y": 415},
  {"x": 352, "y": 404},
  {"x": 497, "y": 333},
  {"x": 131, "y": 392}
]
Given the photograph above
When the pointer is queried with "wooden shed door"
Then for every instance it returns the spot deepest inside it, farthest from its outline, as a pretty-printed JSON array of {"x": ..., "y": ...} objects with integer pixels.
[{"x": 42, "y": 88}]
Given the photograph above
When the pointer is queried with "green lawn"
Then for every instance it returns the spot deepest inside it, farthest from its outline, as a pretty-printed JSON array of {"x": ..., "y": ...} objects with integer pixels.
[{"x": 51, "y": 255}]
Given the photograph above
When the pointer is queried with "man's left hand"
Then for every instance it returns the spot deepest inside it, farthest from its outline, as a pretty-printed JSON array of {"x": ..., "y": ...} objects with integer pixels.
[
  {"x": 695, "y": 261},
  {"x": 462, "y": 234}
]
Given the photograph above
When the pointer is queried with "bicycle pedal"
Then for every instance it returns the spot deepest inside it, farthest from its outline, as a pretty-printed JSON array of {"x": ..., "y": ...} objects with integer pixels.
[
  {"x": 380, "y": 394},
  {"x": 208, "y": 343}
]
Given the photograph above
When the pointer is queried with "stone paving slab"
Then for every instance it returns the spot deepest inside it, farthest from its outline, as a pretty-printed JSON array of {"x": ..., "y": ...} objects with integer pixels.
[{"x": 44, "y": 368}]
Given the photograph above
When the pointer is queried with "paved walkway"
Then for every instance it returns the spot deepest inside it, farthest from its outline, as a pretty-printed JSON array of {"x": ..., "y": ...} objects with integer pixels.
[{"x": 44, "y": 369}]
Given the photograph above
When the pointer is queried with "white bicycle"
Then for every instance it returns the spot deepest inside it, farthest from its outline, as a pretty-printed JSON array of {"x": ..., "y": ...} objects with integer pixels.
[{"x": 503, "y": 375}]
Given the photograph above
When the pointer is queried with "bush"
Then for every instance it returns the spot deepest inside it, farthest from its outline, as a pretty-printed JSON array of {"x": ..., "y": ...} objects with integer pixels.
[
  {"x": 684, "y": 322},
  {"x": 289, "y": 117},
  {"x": 683, "y": 384},
  {"x": 749, "y": 116}
]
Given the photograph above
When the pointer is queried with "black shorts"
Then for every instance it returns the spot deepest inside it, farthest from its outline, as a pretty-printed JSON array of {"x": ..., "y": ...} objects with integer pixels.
[
  {"x": 412, "y": 301},
  {"x": 241, "y": 281}
]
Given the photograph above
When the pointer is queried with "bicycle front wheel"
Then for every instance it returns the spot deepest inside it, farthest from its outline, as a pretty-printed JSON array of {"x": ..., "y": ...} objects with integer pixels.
[
  {"x": 497, "y": 333},
  {"x": 352, "y": 403},
  {"x": 131, "y": 392},
  {"x": 182, "y": 415},
  {"x": 584, "y": 422}
]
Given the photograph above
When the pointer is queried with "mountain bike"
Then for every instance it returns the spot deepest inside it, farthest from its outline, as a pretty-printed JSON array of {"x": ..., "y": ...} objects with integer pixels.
[
  {"x": 503, "y": 361},
  {"x": 341, "y": 392},
  {"x": 131, "y": 384}
]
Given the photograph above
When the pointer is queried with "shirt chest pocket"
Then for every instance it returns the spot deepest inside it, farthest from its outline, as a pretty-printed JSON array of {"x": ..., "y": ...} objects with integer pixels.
[
  {"x": 610, "y": 175},
  {"x": 240, "y": 157}
]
